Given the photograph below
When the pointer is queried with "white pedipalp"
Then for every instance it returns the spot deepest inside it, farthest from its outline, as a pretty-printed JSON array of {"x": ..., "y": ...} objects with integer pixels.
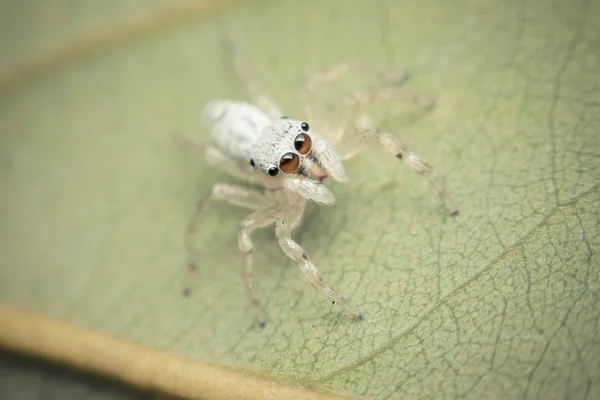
[
  {"x": 310, "y": 190},
  {"x": 329, "y": 160}
]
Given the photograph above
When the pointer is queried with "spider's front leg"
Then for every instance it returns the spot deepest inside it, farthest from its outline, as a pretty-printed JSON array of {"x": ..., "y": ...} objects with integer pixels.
[
  {"x": 289, "y": 219},
  {"x": 390, "y": 86},
  {"x": 395, "y": 147}
]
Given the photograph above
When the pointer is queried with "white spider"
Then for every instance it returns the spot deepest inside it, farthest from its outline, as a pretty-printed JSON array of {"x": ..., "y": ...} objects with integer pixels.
[{"x": 286, "y": 162}]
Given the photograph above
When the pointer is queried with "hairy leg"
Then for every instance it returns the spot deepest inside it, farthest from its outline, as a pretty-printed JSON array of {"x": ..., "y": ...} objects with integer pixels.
[
  {"x": 395, "y": 147},
  {"x": 259, "y": 219},
  {"x": 394, "y": 79},
  {"x": 390, "y": 87},
  {"x": 288, "y": 220},
  {"x": 259, "y": 96},
  {"x": 218, "y": 159},
  {"x": 233, "y": 194}
]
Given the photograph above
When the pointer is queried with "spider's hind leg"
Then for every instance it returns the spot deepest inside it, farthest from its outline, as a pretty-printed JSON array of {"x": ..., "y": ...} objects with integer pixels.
[
  {"x": 386, "y": 81},
  {"x": 260, "y": 97},
  {"x": 345, "y": 115}
]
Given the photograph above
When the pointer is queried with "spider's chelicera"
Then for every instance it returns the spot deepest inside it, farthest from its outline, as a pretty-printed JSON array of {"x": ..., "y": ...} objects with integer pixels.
[{"x": 288, "y": 167}]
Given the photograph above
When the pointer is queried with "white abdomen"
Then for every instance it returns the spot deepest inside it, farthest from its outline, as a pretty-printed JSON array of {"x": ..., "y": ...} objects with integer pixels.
[{"x": 235, "y": 126}]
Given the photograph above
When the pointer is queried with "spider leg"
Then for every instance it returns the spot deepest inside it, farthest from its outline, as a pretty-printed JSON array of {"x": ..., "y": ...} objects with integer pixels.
[
  {"x": 220, "y": 160},
  {"x": 260, "y": 97},
  {"x": 233, "y": 194},
  {"x": 333, "y": 73},
  {"x": 288, "y": 220},
  {"x": 411, "y": 160},
  {"x": 390, "y": 87},
  {"x": 261, "y": 218}
]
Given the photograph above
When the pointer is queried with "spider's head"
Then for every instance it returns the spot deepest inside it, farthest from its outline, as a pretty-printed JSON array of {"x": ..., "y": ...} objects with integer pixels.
[
  {"x": 283, "y": 149},
  {"x": 285, "y": 152}
]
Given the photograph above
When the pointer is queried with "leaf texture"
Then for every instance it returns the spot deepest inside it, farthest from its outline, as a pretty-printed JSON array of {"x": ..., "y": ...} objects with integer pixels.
[{"x": 500, "y": 302}]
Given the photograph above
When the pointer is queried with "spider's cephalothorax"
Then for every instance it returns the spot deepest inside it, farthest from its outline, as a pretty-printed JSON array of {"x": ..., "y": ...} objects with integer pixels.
[
  {"x": 285, "y": 164},
  {"x": 283, "y": 147},
  {"x": 284, "y": 152}
]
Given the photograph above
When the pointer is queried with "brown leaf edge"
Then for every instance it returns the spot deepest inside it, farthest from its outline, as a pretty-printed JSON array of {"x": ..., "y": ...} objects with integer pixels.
[{"x": 148, "y": 369}]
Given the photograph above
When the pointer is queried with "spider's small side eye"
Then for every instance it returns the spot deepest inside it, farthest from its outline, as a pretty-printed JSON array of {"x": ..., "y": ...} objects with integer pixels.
[
  {"x": 304, "y": 126},
  {"x": 252, "y": 162},
  {"x": 303, "y": 143},
  {"x": 289, "y": 163},
  {"x": 273, "y": 171}
]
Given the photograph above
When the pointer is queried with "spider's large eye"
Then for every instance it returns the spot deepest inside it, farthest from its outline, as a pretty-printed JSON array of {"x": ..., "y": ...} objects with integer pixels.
[
  {"x": 303, "y": 144},
  {"x": 289, "y": 163}
]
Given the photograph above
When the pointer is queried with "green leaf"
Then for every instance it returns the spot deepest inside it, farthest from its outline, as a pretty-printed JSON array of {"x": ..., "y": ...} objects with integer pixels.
[{"x": 500, "y": 302}]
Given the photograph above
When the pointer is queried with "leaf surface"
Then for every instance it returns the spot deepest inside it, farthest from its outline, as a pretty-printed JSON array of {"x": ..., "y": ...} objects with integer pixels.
[{"x": 500, "y": 302}]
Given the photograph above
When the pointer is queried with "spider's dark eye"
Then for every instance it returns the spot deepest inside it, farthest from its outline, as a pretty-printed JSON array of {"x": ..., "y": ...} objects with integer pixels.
[
  {"x": 252, "y": 162},
  {"x": 304, "y": 126},
  {"x": 289, "y": 163},
  {"x": 303, "y": 144},
  {"x": 273, "y": 171}
]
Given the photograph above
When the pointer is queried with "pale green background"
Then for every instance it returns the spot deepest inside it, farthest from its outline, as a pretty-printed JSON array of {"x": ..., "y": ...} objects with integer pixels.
[{"x": 501, "y": 302}]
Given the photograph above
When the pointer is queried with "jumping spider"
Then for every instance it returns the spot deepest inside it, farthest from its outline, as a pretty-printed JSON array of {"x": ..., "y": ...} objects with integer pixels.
[{"x": 286, "y": 163}]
